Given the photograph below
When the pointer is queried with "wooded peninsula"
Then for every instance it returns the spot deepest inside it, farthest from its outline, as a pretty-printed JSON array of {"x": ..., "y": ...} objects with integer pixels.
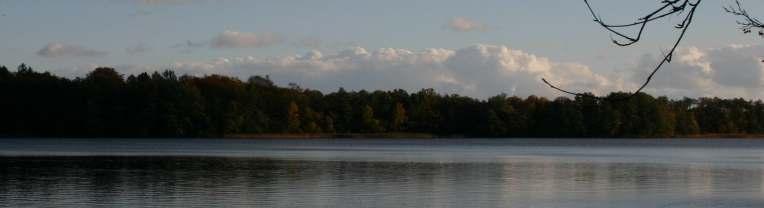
[{"x": 105, "y": 103}]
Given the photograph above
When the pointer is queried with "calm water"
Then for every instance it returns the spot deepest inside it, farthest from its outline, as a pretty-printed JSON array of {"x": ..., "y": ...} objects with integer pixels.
[{"x": 381, "y": 173}]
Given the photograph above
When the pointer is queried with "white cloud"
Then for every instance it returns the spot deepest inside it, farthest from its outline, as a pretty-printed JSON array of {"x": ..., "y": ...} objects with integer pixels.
[
  {"x": 236, "y": 39},
  {"x": 480, "y": 71},
  {"x": 53, "y": 50},
  {"x": 732, "y": 71},
  {"x": 486, "y": 70},
  {"x": 462, "y": 24}
]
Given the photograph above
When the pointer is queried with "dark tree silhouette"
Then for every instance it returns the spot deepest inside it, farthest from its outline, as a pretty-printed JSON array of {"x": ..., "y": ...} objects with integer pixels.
[
  {"x": 162, "y": 104},
  {"x": 666, "y": 8}
]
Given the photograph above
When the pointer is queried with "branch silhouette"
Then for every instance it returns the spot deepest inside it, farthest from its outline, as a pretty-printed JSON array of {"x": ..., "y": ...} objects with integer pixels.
[
  {"x": 667, "y": 8},
  {"x": 748, "y": 23}
]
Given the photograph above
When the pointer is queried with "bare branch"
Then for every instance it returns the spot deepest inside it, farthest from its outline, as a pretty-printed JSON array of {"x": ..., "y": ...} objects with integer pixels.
[
  {"x": 748, "y": 24},
  {"x": 668, "y": 7}
]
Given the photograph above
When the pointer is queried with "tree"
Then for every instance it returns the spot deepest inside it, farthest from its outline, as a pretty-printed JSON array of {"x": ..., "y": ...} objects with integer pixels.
[
  {"x": 495, "y": 126},
  {"x": 160, "y": 104},
  {"x": 311, "y": 119},
  {"x": 424, "y": 114},
  {"x": 4, "y": 73},
  {"x": 104, "y": 106},
  {"x": 399, "y": 117},
  {"x": 293, "y": 118},
  {"x": 329, "y": 124},
  {"x": 562, "y": 118},
  {"x": 340, "y": 110},
  {"x": 686, "y": 123},
  {"x": 102, "y": 77},
  {"x": 223, "y": 103},
  {"x": 370, "y": 124},
  {"x": 261, "y": 81}
]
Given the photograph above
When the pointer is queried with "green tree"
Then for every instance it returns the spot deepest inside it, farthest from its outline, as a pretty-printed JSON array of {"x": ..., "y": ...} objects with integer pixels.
[
  {"x": 686, "y": 123},
  {"x": 293, "y": 118},
  {"x": 329, "y": 124},
  {"x": 104, "y": 88},
  {"x": 311, "y": 119},
  {"x": 496, "y": 127},
  {"x": 370, "y": 123},
  {"x": 399, "y": 117}
]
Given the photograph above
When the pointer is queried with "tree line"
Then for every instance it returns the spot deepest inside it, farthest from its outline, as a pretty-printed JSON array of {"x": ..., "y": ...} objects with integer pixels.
[{"x": 105, "y": 103}]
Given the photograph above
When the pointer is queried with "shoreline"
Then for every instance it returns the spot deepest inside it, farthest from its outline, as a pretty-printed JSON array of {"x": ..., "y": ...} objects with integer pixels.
[
  {"x": 399, "y": 135},
  {"x": 434, "y": 136},
  {"x": 337, "y": 136}
]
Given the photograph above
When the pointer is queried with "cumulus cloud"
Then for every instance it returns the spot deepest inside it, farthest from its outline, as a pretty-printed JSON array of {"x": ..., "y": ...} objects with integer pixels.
[
  {"x": 463, "y": 24},
  {"x": 732, "y": 71},
  {"x": 480, "y": 71},
  {"x": 486, "y": 70},
  {"x": 54, "y": 50},
  {"x": 236, "y": 39}
]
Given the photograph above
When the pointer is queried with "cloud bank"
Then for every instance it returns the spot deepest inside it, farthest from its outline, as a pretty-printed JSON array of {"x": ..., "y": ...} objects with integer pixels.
[
  {"x": 486, "y": 70},
  {"x": 479, "y": 71},
  {"x": 732, "y": 71}
]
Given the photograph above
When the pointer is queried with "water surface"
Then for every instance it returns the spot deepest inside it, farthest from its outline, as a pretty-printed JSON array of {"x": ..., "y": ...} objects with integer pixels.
[{"x": 380, "y": 173}]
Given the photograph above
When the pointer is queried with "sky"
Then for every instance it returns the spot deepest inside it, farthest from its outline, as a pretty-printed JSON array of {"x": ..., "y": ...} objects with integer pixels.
[{"x": 473, "y": 48}]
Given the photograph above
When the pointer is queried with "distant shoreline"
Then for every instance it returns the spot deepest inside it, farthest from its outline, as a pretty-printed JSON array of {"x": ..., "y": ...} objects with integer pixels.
[
  {"x": 399, "y": 135},
  {"x": 338, "y": 136},
  {"x": 434, "y": 136},
  {"x": 724, "y": 136}
]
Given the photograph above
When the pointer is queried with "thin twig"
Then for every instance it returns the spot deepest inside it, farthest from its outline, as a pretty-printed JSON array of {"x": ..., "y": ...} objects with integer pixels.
[
  {"x": 669, "y": 7},
  {"x": 748, "y": 23}
]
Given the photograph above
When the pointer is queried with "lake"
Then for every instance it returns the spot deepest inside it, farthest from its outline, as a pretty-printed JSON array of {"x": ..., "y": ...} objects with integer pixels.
[{"x": 380, "y": 173}]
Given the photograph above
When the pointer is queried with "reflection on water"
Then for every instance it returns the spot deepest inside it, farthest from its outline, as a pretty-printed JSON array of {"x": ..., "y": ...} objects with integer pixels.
[{"x": 506, "y": 180}]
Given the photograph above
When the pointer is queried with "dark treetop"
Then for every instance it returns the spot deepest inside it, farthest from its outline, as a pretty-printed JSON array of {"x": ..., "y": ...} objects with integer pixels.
[{"x": 106, "y": 104}]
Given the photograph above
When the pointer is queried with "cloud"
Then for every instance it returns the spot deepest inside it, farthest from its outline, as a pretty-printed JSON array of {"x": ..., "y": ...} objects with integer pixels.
[
  {"x": 54, "y": 50},
  {"x": 236, "y": 39},
  {"x": 137, "y": 49},
  {"x": 732, "y": 71},
  {"x": 462, "y": 24},
  {"x": 480, "y": 70},
  {"x": 485, "y": 70}
]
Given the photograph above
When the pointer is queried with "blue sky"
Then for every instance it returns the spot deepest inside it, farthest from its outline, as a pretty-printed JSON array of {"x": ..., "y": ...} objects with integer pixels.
[{"x": 142, "y": 35}]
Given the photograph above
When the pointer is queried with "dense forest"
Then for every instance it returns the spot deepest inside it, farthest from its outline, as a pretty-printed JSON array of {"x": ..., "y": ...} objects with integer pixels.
[{"x": 161, "y": 104}]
